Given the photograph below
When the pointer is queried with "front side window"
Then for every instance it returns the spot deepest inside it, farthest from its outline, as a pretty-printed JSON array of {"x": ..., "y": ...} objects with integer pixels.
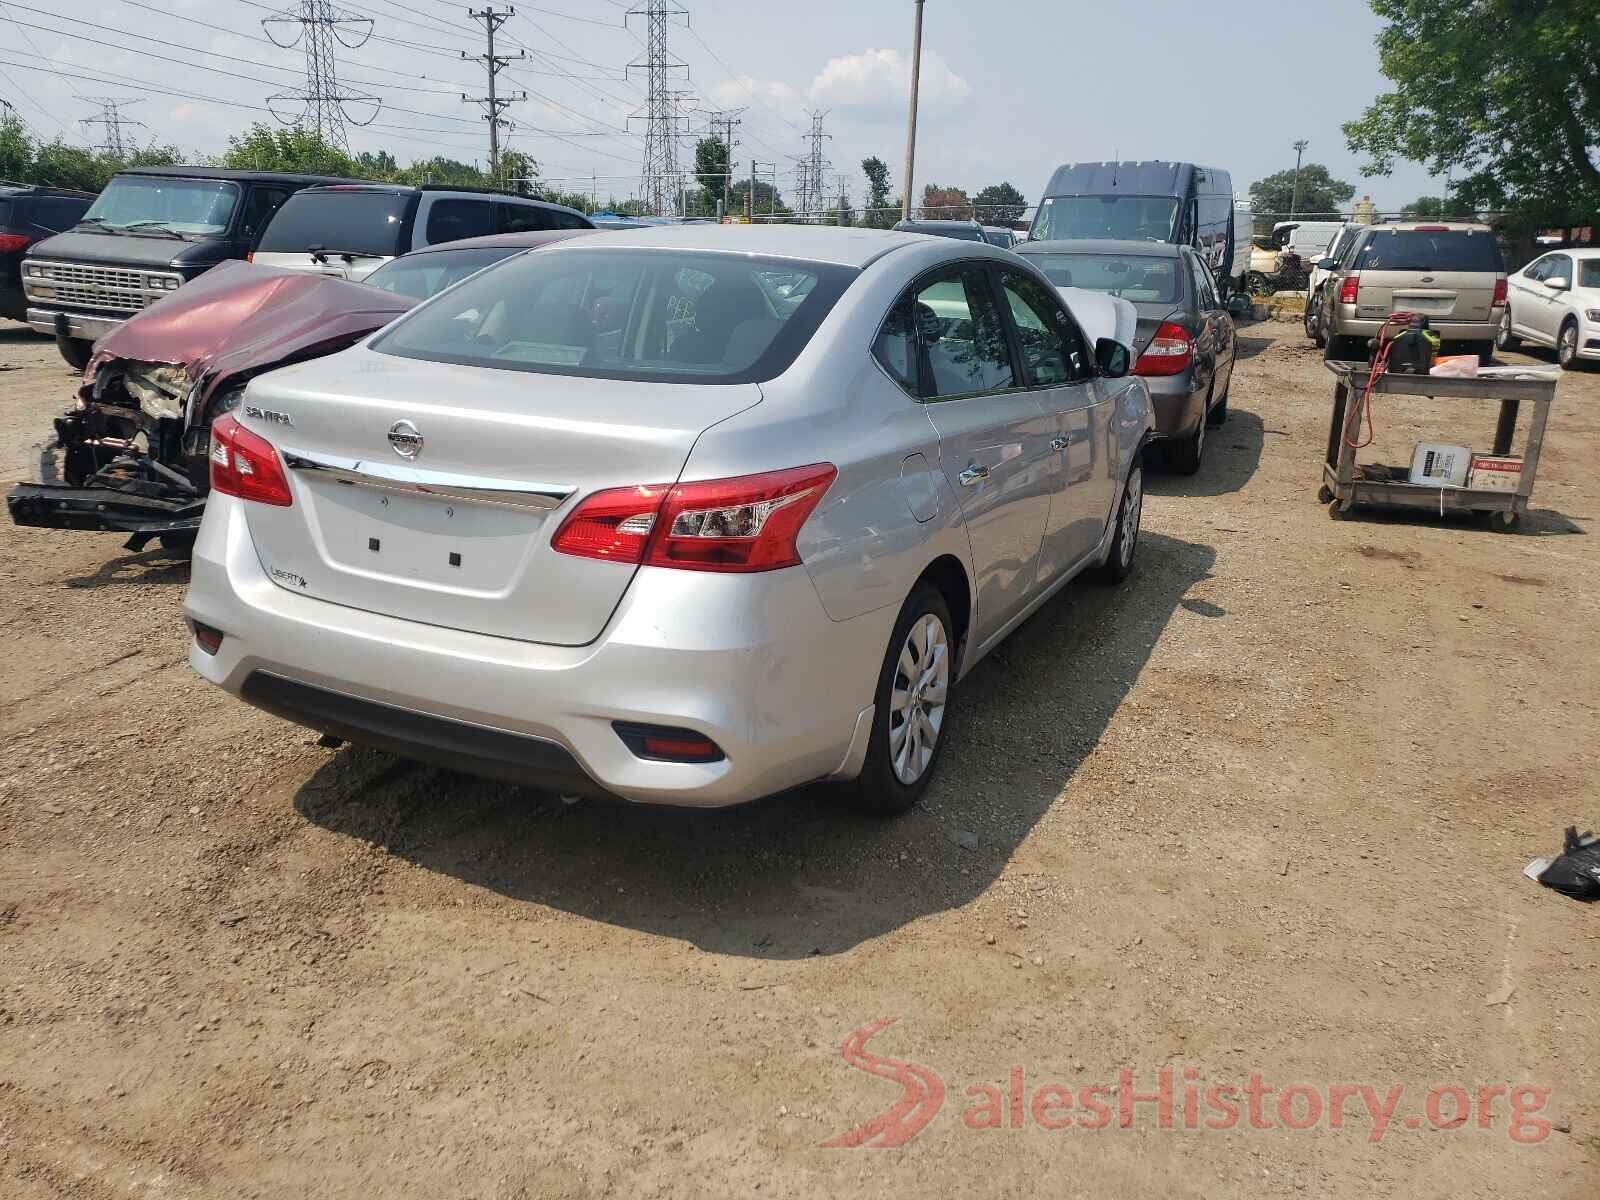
[
  {"x": 164, "y": 203},
  {"x": 1560, "y": 268},
  {"x": 452, "y": 220},
  {"x": 627, "y": 313},
  {"x": 1539, "y": 268},
  {"x": 962, "y": 336},
  {"x": 258, "y": 209},
  {"x": 1204, "y": 296},
  {"x": 1052, "y": 351}
]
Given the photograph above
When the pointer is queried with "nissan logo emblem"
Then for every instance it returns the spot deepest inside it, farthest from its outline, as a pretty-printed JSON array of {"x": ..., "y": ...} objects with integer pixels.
[{"x": 405, "y": 439}]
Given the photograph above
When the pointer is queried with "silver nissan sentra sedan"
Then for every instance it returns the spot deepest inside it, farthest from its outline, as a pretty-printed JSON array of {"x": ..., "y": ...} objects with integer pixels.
[{"x": 679, "y": 515}]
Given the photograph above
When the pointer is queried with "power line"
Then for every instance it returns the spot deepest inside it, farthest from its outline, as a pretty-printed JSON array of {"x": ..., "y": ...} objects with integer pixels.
[
  {"x": 323, "y": 100},
  {"x": 494, "y": 104}
]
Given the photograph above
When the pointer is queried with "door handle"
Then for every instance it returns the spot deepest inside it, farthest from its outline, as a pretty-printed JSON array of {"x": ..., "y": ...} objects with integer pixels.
[
  {"x": 973, "y": 474},
  {"x": 1060, "y": 442}
]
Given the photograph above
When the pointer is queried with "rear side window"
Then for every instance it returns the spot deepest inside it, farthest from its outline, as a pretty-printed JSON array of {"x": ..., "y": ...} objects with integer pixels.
[
  {"x": 525, "y": 218},
  {"x": 1422, "y": 250},
  {"x": 1589, "y": 272},
  {"x": 341, "y": 222},
  {"x": 452, "y": 220},
  {"x": 57, "y": 213},
  {"x": 647, "y": 315}
]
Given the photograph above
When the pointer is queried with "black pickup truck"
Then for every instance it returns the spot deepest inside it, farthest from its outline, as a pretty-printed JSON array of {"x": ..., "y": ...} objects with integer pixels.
[{"x": 151, "y": 230}]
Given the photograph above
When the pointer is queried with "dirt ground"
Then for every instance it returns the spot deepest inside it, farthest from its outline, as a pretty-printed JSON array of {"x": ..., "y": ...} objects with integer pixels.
[{"x": 1263, "y": 810}]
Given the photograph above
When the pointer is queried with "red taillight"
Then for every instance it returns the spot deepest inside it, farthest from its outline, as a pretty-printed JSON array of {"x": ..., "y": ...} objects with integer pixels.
[
  {"x": 14, "y": 241},
  {"x": 1350, "y": 288},
  {"x": 244, "y": 464},
  {"x": 250, "y": 257},
  {"x": 748, "y": 523},
  {"x": 1431, "y": 229},
  {"x": 1169, "y": 353},
  {"x": 207, "y": 637},
  {"x": 1499, "y": 293}
]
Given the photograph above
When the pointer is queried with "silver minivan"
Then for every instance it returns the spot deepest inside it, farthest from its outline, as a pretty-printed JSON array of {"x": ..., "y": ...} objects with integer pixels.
[
  {"x": 1451, "y": 273},
  {"x": 351, "y": 229}
]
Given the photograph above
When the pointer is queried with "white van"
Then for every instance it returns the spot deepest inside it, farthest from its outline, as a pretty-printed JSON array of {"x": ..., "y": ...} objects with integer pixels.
[{"x": 351, "y": 229}]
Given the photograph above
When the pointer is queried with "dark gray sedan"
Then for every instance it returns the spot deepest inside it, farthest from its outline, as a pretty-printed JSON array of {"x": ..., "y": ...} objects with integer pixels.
[{"x": 1186, "y": 342}]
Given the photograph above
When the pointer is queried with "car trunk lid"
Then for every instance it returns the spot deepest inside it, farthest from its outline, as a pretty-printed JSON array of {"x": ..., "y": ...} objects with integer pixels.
[
  {"x": 458, "y": 534},
  {"x": 1438, "y": 295}
]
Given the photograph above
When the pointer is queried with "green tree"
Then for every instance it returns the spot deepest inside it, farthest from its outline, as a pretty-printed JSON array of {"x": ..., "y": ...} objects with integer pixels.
[
  {"x": 1000, "y": 204},
  {"x": 519, "y": 173},
  {"x": 1504, "y": 95},
  {"x": 1321, "y": 195},
  {"x": 711, "y": 170},
  {"x": 880, "y": 213},
  {"x": 767, "y": 199},
  {"x": 16, "y": 148},
  {"x": 582, "y": 201},
  {"x": 1437, "y": 208},
  {"x": 290, "y": 148},
  {"x": 379, "y": 165}
]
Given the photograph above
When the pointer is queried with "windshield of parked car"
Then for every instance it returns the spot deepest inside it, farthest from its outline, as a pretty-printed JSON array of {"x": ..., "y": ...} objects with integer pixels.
[
  {"x": 1117, "y": 218},
  {"x": 428, "y": 274},
  {"x": 339, "y": 221},
  {"x": 163, "y": 203},
  {"x": 1589, "y": 272},
  {"x": 1429, "y": 250},
  {"x": 1142, "y": 280},
  {"x": 649, "y": 315}
]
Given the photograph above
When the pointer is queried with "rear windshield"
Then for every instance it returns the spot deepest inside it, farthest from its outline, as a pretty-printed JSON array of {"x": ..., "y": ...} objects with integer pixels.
[
  {"x": 338, "y": 222},
  {"x": 1420, "y": 250},
  {"x": 662, "y": 316},
  {"x": 1141, "y": 280},
  {"x": 423, "y": 275}
]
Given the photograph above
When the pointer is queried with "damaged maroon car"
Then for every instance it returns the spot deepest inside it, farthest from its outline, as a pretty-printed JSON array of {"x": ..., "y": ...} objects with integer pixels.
[{"x": 131, "y": 456}]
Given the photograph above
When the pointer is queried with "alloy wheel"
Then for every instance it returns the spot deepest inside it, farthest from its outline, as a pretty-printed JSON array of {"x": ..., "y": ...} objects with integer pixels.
[
  {"x": 1567, "y": 349},
  {"x": 917, "y": 700}
]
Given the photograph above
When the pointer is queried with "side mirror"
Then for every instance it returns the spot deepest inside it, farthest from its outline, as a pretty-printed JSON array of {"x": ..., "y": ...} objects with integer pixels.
[
  {"x": 1556, "y": 285},
  {"x": 1327, "y": 264},
  {"x": 1111, "y": 356}
]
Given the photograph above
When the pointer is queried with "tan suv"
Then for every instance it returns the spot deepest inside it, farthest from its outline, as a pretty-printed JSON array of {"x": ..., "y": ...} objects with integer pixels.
[{"x": 1450, "y": 273}]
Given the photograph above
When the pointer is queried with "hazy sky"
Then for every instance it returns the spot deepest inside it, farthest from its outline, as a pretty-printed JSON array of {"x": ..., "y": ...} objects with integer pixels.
[{"x": 1010, "y": 88}]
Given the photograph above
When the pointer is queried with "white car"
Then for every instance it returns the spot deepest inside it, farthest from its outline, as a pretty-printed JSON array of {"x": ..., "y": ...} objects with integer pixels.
[
  {"x": 1555, "y": 301},
  {"x": 1333, "y": 252}
]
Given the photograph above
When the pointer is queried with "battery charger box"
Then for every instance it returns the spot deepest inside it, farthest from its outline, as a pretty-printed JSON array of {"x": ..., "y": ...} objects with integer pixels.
[
  {"x": 1436, "y": 465},
  {"x": 1494, "y": 473}
]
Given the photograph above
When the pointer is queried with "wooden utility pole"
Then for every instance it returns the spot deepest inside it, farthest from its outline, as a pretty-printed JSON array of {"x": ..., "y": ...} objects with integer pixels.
[{"x": 911, "y": 120}]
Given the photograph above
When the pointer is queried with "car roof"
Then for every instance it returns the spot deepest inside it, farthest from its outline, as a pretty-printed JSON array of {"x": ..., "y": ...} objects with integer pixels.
[
  {"x": 12, "y": 190},
  {"x": 204, "y": 172},
  {"x": 1430, "y": 227},
  {"x": 1101, "y": 246},
  {"x": 529, "y": 240},
  {"x": 846, "y": 246},
  {"x": 408, "y": 189},
  {"x": 941, "y": 223}
]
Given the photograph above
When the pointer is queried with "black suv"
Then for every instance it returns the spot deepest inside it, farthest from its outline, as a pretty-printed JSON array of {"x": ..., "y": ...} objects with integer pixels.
[
  {"x": 151, "y": 231},
  {"x": 26, "y": 215}
]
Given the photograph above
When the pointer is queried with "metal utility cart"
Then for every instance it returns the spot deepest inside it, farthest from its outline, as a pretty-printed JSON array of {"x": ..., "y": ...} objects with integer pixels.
[{"x": 1344, "y": 485}]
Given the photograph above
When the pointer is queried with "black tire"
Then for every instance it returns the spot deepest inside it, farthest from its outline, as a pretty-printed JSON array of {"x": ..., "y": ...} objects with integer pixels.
[
  {"x": 1324, "y": 494},
  {"x": 879, "y": 789},
  {"x": 1485, "y": 352},
  {"x": 178, "y": 544},
  {"x": 1318, "y": 335},
  {"x": 1504, "y": 522},
  {"x": 1567, "y": 345},
  {"x": 1125, "y": 541},
  {"x": 76, "y": 351},
  {"x": 1505, "y": 339},
  {"x": 1313, "y": 316},
  {"x": 1218, "y": 415}
]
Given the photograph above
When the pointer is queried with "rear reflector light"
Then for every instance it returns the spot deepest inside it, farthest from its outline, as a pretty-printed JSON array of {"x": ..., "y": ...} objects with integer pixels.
[
  {"x": 1431, "y": 229},
  {"x": 666, "y": 744},
  {"x": 207, "y": 638},
  {"x": 14, "y": 242},
  {"x": 1169, "y": 353},
  {"x": 244, "y": 464},
  {"x": 1349, "y": 289},
  {"x": 1499, "y": 293},
  {"x": 748, "y": 523}
]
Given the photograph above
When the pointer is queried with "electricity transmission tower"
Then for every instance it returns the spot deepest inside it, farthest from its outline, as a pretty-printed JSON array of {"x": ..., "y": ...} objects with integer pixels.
[
  {"x": 813, "y": 168},
  {"x": 113, "y": 120},
  {"x": 494, "y": 103},
  {"x": 323, "y": 101},
  {"x": 658, "y": 174}
]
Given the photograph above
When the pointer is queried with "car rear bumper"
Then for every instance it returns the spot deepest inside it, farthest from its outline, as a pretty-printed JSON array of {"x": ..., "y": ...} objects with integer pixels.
[
  {"x": 1177, "y": 405},
  {"x": 1347, "y": 325},
  {"x": 87, "y": 326},
  {"x": 750, "y": 661}
]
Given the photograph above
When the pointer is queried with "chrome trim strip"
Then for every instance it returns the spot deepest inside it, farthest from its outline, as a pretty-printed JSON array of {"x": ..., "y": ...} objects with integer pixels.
[{"x": 446, "y": 485}]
